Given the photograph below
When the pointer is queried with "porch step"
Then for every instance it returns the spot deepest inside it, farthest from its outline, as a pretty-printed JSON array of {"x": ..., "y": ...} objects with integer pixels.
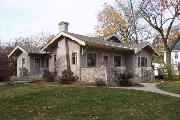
[{"x": 23, "y": 81}]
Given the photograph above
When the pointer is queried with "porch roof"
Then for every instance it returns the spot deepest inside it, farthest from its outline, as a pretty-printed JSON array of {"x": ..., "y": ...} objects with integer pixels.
[{"x": 27, "y": 49}]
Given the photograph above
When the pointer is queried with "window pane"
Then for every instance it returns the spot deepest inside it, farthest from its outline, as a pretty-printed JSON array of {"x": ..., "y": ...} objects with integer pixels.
[
  {"x": 54, "y": 59},
  {"x": 145, "y": 62},
  {"x": 74, "y": 58},
  {"x": 117, "y": 61},
  {"x": 176, "y": 55},
  {"x": 142, "y": 61},
  {"x": 47, "y": 63},
  {"x": 23, "y": 62},
  {"x": 37, "y": 62},
  {"x": 139, "y": 61},
  {"x": 91, "y": 59}
]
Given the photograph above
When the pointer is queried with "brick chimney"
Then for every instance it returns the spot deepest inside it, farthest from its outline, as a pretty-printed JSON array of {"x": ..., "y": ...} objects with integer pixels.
[{"x": 63, "y": 26}]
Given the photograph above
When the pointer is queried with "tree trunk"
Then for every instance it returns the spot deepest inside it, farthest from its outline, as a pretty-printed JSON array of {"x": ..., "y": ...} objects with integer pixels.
[{"x": 168, "y": 56}]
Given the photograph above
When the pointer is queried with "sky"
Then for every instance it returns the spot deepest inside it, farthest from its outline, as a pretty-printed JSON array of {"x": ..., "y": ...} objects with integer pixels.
[{"x": 23, "y": 18}]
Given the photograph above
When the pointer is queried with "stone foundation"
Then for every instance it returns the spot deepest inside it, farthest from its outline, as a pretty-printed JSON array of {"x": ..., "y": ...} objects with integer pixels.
[
  {"x": 92, "y": 74},
  {"x": 108, "y": 74},
  {"x": 61, "y": 64}
]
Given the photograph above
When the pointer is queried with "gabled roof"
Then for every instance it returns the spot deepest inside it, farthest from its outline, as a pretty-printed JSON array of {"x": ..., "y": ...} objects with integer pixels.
[
  {"x": 176, "y": 47},
  {"x": 103, "y": 41},
  {"x": 138, "y": 47},
  {"x": 84, "y": 40},
  {"x": 27, "y": 49}
]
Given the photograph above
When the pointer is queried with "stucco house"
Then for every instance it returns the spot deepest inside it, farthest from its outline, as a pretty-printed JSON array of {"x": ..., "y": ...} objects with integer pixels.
[
  {"x": 88, "y": 57},
  {"x": 175, "y": 56}
]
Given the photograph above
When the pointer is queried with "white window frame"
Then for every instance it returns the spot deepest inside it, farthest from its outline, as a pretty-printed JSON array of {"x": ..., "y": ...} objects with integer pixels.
[
  {"x": 140, "y": 61},
  {"x": 35, "y": 63},
  {"x": 96, "y": 59},
  {"x": 113, "y": 60},
  {"x": 176, "y": 53},
  {"x": 104, "y": 54},
  {"x": 75, "y": 58}
]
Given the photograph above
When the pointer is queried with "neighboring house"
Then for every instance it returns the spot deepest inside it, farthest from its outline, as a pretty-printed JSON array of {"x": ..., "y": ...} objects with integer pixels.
[
  {"x": 157, "y": 65},
  {"x": 90, "y": 58},
  {"x": 175, "y": 56}
]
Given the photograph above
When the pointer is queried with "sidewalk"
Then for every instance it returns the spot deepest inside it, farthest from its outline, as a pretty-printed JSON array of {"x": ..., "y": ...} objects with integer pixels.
[{"x": 151, "y": 87}]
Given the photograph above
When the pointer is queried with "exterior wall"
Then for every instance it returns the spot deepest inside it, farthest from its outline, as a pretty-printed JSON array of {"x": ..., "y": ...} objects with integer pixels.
[
  {"x": 61, "y": 56},
  {"x": 100, "y": 52},
  {"x": 141, "y": 72},
  {"x": 92, "y": 74},
  {"x": 130, "y": 61},
  {"x": 51, "y": 60},
  {"x": 19, "y": 63},
  {"x": 74, "y": 47}
]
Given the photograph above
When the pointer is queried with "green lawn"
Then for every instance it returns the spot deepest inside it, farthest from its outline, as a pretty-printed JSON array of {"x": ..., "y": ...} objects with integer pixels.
[
  {"x": 62, "y": 103},
  {"x": 173, "y": 87}
]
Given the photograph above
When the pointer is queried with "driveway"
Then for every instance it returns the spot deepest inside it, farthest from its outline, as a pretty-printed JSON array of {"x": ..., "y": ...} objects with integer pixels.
[{"x": 151, "y": 87}]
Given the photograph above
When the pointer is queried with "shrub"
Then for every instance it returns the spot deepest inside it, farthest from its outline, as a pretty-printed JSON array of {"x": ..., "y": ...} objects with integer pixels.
[
  {"x": 49, "y": 76},
  {"x": 123, "y": 79},
  {"x": 67, "y": 77},
  {"x": 35, "y": 78},
  {"x": 169, "y": 73},
  {"x": 100, "y": 82},
  {"x": 12, "y": 79}
]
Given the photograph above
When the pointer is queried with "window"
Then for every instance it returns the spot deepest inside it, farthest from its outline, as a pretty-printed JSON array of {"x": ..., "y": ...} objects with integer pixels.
[
  {"x": 54, "y": 59},
  {"x": 23, "y": 62},
  {"x": 176, "y": 55},
  {"x": 37, "y": 62},
  {"x": 142, "y": 61},
  {"x": 91, "y": 59},
  {"x": 47, "y": 63},
  {"x": 117, "y": 61},
  {"x": 74, "y": 58}
]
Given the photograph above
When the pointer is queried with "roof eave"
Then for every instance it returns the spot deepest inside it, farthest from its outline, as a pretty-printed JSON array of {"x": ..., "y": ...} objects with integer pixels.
[
  {"x": 137, "y": 51},
  {"x": 17, "y": 47},
  {"x": 81, "y": 42}
]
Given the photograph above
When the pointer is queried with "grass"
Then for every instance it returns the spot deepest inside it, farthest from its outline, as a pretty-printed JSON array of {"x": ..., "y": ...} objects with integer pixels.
[
  {"x": 173, "y": 87},
  {"x": 28, "y": 102}
]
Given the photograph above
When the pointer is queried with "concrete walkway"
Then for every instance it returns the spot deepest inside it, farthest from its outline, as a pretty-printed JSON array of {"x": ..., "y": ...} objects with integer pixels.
[
  {"x": 151, "y": 87},
  {"x": 2, "y": 84}
]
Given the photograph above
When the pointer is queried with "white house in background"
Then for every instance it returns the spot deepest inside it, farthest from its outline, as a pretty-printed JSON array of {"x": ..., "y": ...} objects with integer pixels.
[{"x": 175, "y": 56}]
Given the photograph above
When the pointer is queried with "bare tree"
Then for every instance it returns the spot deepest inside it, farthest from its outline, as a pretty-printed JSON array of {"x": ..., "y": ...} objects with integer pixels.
[
  {"x": 161, "y": 15},
  {"x": 123, "y": 18}
]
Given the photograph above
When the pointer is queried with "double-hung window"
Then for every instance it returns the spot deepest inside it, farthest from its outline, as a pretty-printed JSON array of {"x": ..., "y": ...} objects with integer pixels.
[
  {"x": 74, "y": 58},
  {"x": 23, "y": 62},
  {"x": 176, "y": 55},
  {"x": 54, "y": 59},
  {"x": 117, "y": 61},
  {"x": 37, "y": 62},
  {"x": 142, "y": 61},
  {"x": 91, "y": 59}
]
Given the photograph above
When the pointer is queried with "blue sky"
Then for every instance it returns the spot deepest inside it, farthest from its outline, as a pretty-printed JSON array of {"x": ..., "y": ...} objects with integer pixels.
[{"x": 21, "y": 18}]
